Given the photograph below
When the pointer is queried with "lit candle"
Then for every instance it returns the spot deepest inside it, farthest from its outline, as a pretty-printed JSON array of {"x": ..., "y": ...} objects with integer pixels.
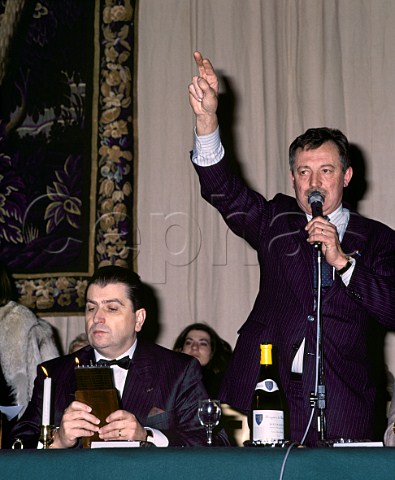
[{"x": 46, "y": 399}]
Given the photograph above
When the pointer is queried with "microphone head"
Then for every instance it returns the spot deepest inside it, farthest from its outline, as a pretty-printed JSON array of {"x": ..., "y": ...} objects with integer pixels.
[
  {"x": 316, "y": 197},
  {"x": 316, "y": 200}
]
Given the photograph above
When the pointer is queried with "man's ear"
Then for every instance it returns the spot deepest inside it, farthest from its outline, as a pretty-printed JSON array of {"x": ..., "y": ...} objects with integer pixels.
[
  {"x": 291, "y": 176},
  {"x": 140, "y": 319},
  {"x": 347, "y": 176}
]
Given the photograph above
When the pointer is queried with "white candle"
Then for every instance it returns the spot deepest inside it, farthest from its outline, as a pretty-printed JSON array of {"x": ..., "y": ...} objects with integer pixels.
[{"x": 47, "y": 401}]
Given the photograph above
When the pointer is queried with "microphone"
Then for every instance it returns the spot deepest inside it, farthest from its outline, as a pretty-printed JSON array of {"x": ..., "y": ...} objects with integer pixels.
[{"x": 316, "y": 200}]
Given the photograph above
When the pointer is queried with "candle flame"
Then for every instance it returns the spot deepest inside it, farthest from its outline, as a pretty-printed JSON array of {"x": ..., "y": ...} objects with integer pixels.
[
  {"x": 45, "y": 371},
  {"x": 77, "y": 361}
]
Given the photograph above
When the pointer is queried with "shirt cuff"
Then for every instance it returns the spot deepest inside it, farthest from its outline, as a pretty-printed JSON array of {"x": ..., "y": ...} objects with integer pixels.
[
  {"x": 158, "y": 438},
  {"x": 207, "y": 149},
  {"x": 346, "y": 277}
]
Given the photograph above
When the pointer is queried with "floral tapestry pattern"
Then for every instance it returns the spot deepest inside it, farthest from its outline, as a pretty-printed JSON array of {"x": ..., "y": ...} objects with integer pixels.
[{"x": 66, "y": 145}]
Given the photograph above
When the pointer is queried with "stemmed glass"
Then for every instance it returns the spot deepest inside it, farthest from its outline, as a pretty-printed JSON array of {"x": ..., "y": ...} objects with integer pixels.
[{"x": 209, "y": 413}]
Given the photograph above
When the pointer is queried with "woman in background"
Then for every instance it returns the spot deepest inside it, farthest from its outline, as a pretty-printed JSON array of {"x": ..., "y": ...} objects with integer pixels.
[
  {"x": 202, "y": 342},
  {"x": 25, "y": 342}
]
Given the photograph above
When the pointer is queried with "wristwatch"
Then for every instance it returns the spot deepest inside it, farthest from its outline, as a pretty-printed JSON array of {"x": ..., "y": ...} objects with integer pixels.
[{"x": 346, "y": 267}]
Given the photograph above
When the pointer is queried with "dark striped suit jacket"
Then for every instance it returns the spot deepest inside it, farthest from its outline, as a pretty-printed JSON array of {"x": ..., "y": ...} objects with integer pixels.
[
  {"x": 283, "y": 312},
  {"x": 162, "y": 390}
]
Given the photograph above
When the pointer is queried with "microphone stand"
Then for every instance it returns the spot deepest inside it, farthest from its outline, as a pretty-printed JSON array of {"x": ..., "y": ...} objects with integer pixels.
[
  {"x": 320, "y": 394},
  {"x": 318, "y": 397}
]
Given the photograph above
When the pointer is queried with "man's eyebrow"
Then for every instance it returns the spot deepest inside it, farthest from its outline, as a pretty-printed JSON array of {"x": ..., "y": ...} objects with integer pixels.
[
  {"x": 307, "y": 167},
  {"x": 110, "y": 300}
]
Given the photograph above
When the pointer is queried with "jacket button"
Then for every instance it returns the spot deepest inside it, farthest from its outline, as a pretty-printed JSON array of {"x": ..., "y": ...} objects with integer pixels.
[{"x": 310, "y": 318}]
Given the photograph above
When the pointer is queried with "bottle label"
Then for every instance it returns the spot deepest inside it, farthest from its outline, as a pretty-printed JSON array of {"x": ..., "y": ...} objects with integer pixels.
[
  {"x": 267, "y": 385},
  {"x": 267, "y": 426}
]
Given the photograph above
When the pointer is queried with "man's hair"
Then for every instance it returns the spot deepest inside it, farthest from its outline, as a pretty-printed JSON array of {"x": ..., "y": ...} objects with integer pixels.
[
  {"x": 114, "y": 274},
  {"x": 315, "y": 137}
]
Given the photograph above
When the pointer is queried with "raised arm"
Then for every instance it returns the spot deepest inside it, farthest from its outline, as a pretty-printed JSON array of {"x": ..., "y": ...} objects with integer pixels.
[{"x": 203, "y": 96}]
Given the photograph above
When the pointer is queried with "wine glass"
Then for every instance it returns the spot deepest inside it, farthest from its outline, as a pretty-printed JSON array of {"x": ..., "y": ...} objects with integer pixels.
[{"x": 209, "y": 413}]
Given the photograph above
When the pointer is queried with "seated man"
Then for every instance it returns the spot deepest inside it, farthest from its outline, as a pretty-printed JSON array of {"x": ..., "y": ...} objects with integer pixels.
[{"x": 159, "y": 388}]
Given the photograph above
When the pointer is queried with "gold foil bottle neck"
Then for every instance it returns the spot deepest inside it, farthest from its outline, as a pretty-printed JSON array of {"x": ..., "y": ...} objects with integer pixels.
[{"x": 266, "y": 354}]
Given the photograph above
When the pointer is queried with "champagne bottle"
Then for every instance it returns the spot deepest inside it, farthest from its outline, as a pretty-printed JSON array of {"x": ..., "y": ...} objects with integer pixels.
[{"x": 268, "y": 403}]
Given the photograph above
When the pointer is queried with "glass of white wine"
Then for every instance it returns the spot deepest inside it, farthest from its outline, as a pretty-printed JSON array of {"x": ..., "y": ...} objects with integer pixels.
[{"x": 209, "y": 413}]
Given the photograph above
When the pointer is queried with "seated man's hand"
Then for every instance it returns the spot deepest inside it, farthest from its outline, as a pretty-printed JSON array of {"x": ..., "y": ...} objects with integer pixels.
[
  {"x": 122, "y": 425},
  {"x": 77, "y": 422}
]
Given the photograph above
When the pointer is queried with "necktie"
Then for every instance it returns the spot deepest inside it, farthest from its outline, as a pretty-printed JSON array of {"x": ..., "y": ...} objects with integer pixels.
[
  {"x": 122, "y": 362},
  {"x": 326, "y": 269},
  {"x": 326, "y": 272}
]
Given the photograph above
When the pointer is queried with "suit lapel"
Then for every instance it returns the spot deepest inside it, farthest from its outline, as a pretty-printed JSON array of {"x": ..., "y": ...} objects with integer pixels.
[
  {"x": 140, "y": 383},
  {"x": 299, "y": 260},
  {"x": 355, "y": 236},
  {"x": 352, "y": 244}
]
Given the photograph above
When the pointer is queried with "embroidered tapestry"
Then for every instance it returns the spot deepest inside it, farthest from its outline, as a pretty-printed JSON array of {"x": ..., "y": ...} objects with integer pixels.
[{"x": 66, "y": 145}]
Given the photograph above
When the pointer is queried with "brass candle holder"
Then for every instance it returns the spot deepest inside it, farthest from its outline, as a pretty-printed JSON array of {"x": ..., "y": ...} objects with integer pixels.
[{"x": 47, "y": 434}]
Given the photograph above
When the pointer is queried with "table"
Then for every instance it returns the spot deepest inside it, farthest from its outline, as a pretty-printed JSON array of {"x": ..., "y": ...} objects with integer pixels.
[{"x": 224, "y": 463}]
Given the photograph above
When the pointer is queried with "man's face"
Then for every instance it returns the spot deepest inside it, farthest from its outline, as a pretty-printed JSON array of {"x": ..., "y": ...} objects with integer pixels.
[
  {"x": 320, "y": 170},
  {"x": 110, "y": 323}
]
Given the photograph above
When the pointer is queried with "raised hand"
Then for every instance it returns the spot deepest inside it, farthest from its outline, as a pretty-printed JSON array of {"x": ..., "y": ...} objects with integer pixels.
[{"x": 203, "y": 95}]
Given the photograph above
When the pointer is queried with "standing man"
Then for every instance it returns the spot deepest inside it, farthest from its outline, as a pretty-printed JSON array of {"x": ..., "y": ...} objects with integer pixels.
[
  {"x": 159, "y": 388},
  {"x": 359, "y": 254}
]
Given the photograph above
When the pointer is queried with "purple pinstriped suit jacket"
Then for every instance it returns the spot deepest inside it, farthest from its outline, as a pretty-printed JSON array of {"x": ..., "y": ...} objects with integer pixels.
[
  {"x": 162, "y": 389},
  {"x": 285, "y": 303}
]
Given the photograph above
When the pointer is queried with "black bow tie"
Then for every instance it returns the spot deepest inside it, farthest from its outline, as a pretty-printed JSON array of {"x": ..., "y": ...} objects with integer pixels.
[{"x": 122, "y": 362}]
